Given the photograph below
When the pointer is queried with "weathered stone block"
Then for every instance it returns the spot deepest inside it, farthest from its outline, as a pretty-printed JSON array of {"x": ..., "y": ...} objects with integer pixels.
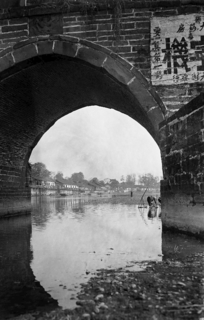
[
  {"x": 65, "y": 48},
  {"x": 6, "y": 62},
  {"x": 144, "y": 98},
  {"x": 6, "y": 51},
  {"x": 117, "y": 70},
  {"x": 45, "y": 47},
  {"x": 25, "y": 53},
  {"x": 92, "y": 56}
]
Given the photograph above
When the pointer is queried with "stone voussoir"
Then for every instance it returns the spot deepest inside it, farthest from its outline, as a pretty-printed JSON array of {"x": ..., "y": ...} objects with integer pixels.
[
  {"x": 65, "y": 48},
  {"x": 140, "y": 77},
  {"x": 142, "y": 94},
  {"x": 25, "y": 53},
  {"x": 158, "y": 100},
  {"x": 117, "y": 70},
  {"x": 92, "y": 56},
  {"x": 45, "y": 47},
  {"x": 122, "y": 61},
  {"x": 156, "y": 115},
  {"x": 95, "y": 46},
  {"x": 6, "y": 51},
  {"x": 6, "y": 62}
]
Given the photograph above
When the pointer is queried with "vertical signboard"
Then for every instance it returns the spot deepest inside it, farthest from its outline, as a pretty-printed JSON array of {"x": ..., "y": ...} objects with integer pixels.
[{"x": 177, "y": 49}]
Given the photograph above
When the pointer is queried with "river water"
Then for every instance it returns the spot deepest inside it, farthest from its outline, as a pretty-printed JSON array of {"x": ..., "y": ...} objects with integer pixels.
[
  {"x": 47, "y": 257},
  {"x": 77, "y": 237},
  {"x": 48, "y": 254}
]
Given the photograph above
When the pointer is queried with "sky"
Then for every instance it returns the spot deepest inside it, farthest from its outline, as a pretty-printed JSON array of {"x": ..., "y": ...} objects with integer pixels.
[{"x": 99, "y": 142}]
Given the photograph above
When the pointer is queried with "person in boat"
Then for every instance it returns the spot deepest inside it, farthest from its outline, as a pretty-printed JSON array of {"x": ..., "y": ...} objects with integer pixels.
[{"x": 151, "y": 201}]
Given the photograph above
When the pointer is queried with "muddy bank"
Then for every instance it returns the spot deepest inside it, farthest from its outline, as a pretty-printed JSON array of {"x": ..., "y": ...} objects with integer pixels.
[{"x": 172, "y": 289}]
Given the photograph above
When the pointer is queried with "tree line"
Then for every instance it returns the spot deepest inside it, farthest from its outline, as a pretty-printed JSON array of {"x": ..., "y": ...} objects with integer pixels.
[{"x": 39, "y": 169}]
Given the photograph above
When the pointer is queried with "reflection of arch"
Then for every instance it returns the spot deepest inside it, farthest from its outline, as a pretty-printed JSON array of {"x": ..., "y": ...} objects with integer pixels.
[
  {"x": 20, "y": 291},
  {"x": 45, "y": 78}
]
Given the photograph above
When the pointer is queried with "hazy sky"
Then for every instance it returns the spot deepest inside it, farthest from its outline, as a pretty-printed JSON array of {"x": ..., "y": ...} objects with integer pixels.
[{"x": 99, "y": 142}]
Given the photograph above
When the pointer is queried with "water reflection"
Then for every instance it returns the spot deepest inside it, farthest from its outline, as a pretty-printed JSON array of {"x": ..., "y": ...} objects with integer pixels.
[
  {"x": 154, "y": 212},
  {"x": 19, "y": 290},
  {"x": 43, "y": 261},
  {"x": 78, "y": 236}
]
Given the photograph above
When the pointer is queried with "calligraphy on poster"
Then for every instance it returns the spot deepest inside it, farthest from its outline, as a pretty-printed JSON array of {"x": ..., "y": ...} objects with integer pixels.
[{"x": 177, "y": 49}]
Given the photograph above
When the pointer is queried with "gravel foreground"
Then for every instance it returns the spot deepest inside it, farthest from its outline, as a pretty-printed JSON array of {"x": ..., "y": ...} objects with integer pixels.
[{"x": 171, "y": 289}]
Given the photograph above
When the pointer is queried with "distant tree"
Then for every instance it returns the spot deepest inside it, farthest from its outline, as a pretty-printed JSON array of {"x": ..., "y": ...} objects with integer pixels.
[
  {"x": 114, "y": 184},
  {"x": 39, "y": 169},
  {"x": 95, "y": 180},
  {"x": 77, "y": 177},
  {"x": 102, "y": 183},
  {"x": 148, "y": 180},
  {"x": 122, "y": 179},
  {"x": 59, "y": 175}
]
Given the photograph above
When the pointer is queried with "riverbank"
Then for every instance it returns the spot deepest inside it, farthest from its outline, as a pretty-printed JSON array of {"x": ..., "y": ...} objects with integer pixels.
[
  {"x": 138, "y": 196},
  {"x": 170, "y": 289},
  {"x": 124, "y": 198}
]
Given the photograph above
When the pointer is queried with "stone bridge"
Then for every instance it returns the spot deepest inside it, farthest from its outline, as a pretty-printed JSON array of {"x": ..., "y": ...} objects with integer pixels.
[{"x": 142, "y": 58}]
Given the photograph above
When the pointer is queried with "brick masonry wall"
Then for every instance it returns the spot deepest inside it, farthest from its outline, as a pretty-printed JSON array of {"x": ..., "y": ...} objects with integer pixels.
[
  {"x": 127, "y": 34},
  {"x": 182, "y": 189},
  {"x": 14, "y": 191},
  {"x": 182, "y": 147}
]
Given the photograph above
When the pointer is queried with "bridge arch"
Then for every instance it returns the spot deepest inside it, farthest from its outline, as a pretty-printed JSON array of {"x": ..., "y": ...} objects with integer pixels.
[{"x": 45, "y": 78}]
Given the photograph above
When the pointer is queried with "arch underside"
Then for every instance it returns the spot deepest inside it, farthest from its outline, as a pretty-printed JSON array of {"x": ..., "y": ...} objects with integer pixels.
[
  {"x": 44, "y": 80},
  {"x": 33, "y": 98},
  {"x": 41, "y": 81}
]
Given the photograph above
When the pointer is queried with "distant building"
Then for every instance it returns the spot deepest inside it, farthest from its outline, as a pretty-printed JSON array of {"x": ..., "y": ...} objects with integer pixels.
[
  {"x": 42, "y": 186},
  {"x": 95, "y": 186},
  {"x": 66, "y": 186},
  {"x": 84, "y": 186},
  {"x": 43, "y": 182},
  {"x": 129, "y": 186}
]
